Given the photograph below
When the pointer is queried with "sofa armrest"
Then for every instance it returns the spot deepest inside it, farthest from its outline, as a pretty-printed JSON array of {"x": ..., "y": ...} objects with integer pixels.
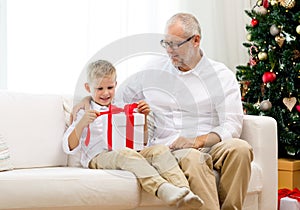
[{"x": 261, "y": 133}]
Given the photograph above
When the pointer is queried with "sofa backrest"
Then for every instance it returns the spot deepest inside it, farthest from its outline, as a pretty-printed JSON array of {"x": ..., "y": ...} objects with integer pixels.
[{"x": 33, "y": 127}]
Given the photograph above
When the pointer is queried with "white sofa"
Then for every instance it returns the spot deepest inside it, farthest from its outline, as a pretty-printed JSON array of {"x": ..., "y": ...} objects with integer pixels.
[{"x": 42, "y": 177}]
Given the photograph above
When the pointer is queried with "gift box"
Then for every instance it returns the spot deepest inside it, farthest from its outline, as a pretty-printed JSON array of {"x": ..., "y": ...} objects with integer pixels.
[
  {"x": 289, "y": 199},
  {"x": 288, "y": 173},
  {"x": 287, "y": 203},
  {"x": 122, "y": 128},
  {"x": 125, "y": 133}
]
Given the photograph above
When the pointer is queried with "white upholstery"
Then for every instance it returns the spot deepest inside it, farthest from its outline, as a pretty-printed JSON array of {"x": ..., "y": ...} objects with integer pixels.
[{"x": 33, "y": 126}]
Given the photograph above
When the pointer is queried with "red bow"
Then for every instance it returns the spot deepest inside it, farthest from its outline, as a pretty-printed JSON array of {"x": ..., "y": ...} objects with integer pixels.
[
  {"x": 295, "y": 194},
  {"x": 128, "y": 109}
]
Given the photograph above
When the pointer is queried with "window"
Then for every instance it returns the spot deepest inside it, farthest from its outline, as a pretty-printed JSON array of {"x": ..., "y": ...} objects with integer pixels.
[{"x": 50, "y": 41}]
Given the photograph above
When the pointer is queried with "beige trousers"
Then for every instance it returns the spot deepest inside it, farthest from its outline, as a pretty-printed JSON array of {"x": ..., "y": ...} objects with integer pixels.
[
  {"x": 152, "y": 166},
  {"x": 231, "y": 158}
]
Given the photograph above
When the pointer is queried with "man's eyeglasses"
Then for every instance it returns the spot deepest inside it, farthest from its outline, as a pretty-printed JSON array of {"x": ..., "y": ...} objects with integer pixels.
[{"x": 174, "y": 46}]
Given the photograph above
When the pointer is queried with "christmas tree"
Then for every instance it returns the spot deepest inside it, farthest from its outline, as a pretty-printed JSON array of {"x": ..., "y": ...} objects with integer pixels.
[{"x": 270, "y": 81}]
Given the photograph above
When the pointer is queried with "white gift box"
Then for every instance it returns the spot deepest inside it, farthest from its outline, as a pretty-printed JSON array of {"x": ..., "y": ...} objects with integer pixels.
[
  {"x": 287, "y": 203},
  {"x": 119, "y": 134}
]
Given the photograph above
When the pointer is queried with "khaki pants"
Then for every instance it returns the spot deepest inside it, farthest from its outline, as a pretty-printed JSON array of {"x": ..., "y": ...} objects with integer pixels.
[
  {"x": 231, "y": 158},
  {"x": 152, "y": 166}
]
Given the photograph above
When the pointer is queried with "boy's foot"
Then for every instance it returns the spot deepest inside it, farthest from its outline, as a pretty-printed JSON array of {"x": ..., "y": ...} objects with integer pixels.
[
  {"x": 190, "y": 201},
  {"x": 171, "y": 194}
]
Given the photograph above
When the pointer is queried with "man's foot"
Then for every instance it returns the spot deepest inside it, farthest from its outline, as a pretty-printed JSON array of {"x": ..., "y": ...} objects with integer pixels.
[
  {"x": 171, "y": 194},
  {"x": 190, "y": 201}
]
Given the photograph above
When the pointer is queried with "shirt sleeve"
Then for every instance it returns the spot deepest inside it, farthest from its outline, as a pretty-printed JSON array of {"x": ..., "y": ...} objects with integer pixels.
[
  {"x": 67, "y": 134},
  {"x": 229, "y": 108}
]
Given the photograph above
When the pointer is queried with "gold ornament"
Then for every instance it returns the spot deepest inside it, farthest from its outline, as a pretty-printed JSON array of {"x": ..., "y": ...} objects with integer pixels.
[
  {"x": 289, "y": 4},
  {"x": 262, "y": 56},
  {"x": 298, "y": 29},
  {"x": 273, "y": 2},
  {"x": 296, "y": 55},
  {"x": 290, "y": 102},
  {"x": 248, "y": 37},
  {"x": 279, "y": 40}
]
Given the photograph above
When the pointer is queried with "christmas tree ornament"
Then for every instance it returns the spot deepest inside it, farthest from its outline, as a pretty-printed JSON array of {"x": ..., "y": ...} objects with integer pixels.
[
  {"x": 298, "y": 29},
  {"x": 254, "y": 22},
  {"x": 261, "y": 10},
  {"x": 265, "y": 105},
  {"x": 289, "y": 4},
  {"x": 248, "y": 37},
  {"x": 289, "y": 102},
  {"x": 273, "y": 2},
  {"x": 274, "y": 30},
  {"x": 279, "y": 40},
  {"x": 268, "y": 77},
  {"x": 265, "y": 4},
  {"x": 298, "y": 108},
  {"x": 296, "y": 55},
  {"x": 244, "y": 86},
  {"x": 262, "y": 56},
  {"x": 252, "y": 60},
  {"x": 259, "y": 2}
]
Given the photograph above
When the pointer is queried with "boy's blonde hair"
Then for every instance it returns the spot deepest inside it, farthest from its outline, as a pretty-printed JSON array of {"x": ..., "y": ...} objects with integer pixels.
[{"x": 100, "y": 69}]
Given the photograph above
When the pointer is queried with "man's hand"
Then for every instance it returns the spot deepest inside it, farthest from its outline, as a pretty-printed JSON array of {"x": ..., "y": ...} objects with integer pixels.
[
  {"x": 182, "y": 142},
  {"x": 83, "y": 104},
  {"x": 198, "y": 142}
]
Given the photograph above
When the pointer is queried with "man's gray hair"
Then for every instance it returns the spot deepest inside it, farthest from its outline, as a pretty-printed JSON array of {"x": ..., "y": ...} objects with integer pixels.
[{"x": 189, "y": 22}]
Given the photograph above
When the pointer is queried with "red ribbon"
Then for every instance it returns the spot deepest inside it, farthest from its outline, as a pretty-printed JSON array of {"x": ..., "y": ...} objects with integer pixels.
[
  {"x": 128, "y": 109},
  {"x": 295, "y": 194}
]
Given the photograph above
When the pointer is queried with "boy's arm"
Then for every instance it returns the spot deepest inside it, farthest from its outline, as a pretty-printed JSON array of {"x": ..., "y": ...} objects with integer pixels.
[{"x": 74, "y": 138}]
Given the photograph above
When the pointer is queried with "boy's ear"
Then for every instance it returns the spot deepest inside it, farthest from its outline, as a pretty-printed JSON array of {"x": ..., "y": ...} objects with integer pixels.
[{"x": 87, "y": 87}]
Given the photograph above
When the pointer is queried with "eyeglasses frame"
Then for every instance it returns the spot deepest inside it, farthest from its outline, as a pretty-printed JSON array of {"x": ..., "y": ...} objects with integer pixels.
[{"x": 171, "y": 45}]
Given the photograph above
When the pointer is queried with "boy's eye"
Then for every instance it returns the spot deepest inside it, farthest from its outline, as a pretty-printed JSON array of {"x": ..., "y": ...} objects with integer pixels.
[
  {"x": 110, "y": 87},
  {"x": 100, "y": 88}
]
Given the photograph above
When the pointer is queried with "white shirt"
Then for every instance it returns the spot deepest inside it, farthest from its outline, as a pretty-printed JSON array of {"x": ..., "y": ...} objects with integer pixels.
[
  {"x": 97, "y": 142},
  {"x": 189, "y": 104}
]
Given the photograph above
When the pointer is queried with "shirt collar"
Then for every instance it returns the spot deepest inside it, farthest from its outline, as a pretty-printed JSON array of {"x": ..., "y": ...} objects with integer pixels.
[{"x": 98, "y": 107}]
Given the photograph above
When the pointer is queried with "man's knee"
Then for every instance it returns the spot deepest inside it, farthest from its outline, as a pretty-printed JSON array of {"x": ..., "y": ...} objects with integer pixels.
[{"x": 241, "y": 147}]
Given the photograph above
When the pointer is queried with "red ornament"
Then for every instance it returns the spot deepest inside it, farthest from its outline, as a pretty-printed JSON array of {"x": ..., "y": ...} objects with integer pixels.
[
  {"x": 298, "y": 108},
  {"x": 265, "y": 4},
  {"x": 254, "y": 22},
  {"x": 268, "y": 77}
]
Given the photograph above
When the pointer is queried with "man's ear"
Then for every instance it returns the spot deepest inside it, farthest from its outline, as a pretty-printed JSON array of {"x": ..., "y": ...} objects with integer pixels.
[
  {"x": 197, "y": 39},
  {"x": 87, "y": 87}
]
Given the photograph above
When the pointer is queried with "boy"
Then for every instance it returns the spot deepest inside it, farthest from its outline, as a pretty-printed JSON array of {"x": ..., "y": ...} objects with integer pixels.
[{"x": 166, "y": 181}]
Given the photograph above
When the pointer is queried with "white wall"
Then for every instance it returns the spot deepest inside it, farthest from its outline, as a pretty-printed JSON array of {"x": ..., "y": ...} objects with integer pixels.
[{"x": 50, "y": 41}]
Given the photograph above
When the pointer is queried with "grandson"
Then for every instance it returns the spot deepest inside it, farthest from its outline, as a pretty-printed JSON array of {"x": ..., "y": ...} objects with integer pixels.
[{"x": 166, "y": 181}]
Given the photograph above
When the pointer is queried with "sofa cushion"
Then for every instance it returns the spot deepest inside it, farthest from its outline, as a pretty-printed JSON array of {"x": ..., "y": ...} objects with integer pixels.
[
  {"x": 67, "y": 187},
  {"x": 33, "y": 126},
  {"x": 5, "y": 163}
]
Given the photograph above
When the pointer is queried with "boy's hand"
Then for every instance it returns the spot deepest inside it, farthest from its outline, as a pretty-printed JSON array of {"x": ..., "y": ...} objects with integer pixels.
[
  {"x": 83, "y": 104},
  {"x": 88, "y": 117},
  {"x": 143, "y": 108}
]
